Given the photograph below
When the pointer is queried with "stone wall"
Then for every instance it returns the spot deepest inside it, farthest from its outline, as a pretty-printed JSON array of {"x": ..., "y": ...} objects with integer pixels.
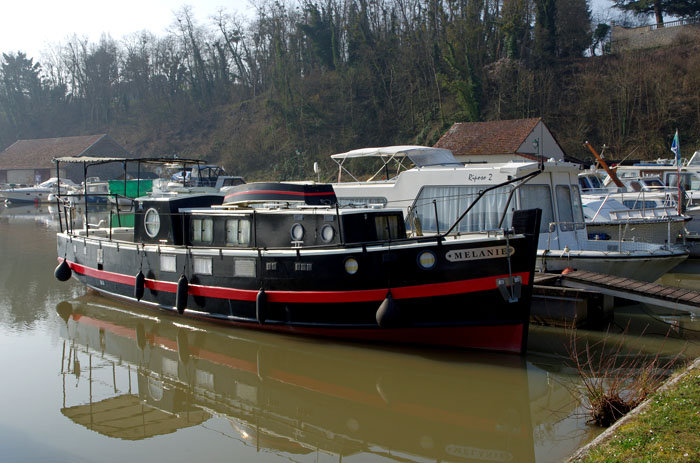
[{"x": 651, "y": 36}]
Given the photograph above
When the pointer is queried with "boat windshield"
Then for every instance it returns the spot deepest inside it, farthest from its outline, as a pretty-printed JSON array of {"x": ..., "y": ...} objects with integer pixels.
[{"x": 689, "y": 180}]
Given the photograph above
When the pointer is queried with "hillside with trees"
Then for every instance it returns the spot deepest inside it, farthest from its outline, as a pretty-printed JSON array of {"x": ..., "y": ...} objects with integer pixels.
[{"x": 268, "y": 96}]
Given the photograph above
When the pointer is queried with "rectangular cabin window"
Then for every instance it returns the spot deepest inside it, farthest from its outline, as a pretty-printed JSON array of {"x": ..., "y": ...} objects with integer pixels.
[
  {"x": 532, "y": 196},
  {"x": 202, "y": 231},
  {"x": 386, "y": 226},
  {"x": 202, "y": 265},
  {"x": 168, "y": 263},
  {"x": 577, "y": 208},
  {"x": 564, "y": 207},
  {"x": 244, "y": 268},
  {"x": 237, "y": 232},
  {"x": 437, "y": 208}
]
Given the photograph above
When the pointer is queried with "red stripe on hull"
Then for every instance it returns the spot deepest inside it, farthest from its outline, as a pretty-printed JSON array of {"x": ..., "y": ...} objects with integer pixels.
[
  {"x": 300, "y": 297},
  {"x": 279, "y": 192}
]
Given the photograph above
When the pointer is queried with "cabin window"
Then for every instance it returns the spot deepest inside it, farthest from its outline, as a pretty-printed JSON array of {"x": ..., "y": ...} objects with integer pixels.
[
  {"x": 533, "y": 196},
  {"x": 577, "y": 208},
  {"x": 237, "y": 232},
  {"x": 639, "y": 204},
  {"x": 327, "y": 233},
  {"x": 362, "y": 202},
  {"x": 387, "y": 227},
  {"x": 688, "y": 181},
  {"x": 168, "y": 263},
  {"x": 202, "y": 230},
  {"x": 452, "y": 201},
  {"x": 151, "y": 222},
  {"x": 202, "y": 265},
  {"x": 244, "y": 268},
  {"x": 565, "y": 208},
  {"x": 297, "y": 232}
]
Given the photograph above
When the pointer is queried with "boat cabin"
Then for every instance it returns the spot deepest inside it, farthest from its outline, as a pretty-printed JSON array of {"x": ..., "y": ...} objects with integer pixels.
[
  {"x": 433, "y": 196},
  {"x": 252, "y": 216}
]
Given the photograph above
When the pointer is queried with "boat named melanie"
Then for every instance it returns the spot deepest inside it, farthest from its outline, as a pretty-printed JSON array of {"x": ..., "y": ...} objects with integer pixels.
[{"x": 285, "y": 257}]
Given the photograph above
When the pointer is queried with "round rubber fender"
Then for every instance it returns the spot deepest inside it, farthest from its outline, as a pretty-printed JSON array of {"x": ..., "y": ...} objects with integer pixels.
[
  {"x": 388, "y": 314},
  {"x": 63, "y": 271},
  {"x": 181, "y": 294},
  {"x": 139, "y": 285},
  {"x": 260, "y": 306}
]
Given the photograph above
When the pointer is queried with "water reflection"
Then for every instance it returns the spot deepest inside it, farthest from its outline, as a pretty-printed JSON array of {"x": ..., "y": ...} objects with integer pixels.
[
  {"x": 41, "y": 214},
  {"x": 130, "y": 375}
]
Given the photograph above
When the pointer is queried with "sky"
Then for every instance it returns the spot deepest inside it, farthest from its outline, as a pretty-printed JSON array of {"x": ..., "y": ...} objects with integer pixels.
[{"x": 31, "y": 26}]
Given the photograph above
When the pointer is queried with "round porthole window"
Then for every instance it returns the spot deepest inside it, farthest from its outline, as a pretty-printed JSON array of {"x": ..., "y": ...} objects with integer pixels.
[
  {"x": 327, "y": 233},
  {"x": 351, "y": 266},
  {"x": 427, "y": 260},
  {"x": 297, "y": 232},
  {"x": 151, "y": 222}
]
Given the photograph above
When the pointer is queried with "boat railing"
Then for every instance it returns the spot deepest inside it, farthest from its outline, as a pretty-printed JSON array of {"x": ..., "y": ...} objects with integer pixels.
[{"x": 114, "y": 227}]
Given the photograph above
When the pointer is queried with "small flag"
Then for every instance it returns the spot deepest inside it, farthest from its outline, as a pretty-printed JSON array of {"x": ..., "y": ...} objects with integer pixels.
[{"x": 676, "y": 147}]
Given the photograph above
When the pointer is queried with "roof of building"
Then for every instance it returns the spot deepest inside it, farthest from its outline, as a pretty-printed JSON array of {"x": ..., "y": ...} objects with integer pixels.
[
  {"x": 38, "y": 153},
  {"x": 487, "y": 138}
]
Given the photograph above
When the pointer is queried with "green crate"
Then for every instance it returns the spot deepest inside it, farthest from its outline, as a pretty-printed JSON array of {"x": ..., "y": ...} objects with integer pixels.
[
  {"x": 144, "y": 187},
  {"x": 123, "y": 220}
]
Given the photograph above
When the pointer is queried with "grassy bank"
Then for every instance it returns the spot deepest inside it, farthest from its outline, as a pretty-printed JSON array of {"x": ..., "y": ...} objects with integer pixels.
[{"x": 666, "y": 429}]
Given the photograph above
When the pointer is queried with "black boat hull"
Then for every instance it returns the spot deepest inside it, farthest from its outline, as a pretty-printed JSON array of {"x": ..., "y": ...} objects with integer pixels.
[{"x": 310, "y": 291}]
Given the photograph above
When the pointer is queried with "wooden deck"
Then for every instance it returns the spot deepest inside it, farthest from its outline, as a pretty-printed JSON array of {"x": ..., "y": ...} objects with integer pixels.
[{"x": 640, "y": 291}]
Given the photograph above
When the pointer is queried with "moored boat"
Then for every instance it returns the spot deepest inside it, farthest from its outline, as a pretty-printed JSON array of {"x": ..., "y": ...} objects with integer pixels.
[
  {"x": 38, "y": 193},
  {"x": 432, "y": 192},
  {"x": 287, "y": 258}
]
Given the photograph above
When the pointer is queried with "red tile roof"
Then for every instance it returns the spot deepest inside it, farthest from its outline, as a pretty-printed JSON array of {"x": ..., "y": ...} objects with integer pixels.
[
  {"x": 484, "y": 138},
  {"x": 38, "y": 153}
]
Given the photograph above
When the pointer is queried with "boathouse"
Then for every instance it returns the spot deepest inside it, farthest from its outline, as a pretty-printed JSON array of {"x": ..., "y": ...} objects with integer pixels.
[
  {"x": 501, "y": 141},
  {"x": 30, "y": 161}
]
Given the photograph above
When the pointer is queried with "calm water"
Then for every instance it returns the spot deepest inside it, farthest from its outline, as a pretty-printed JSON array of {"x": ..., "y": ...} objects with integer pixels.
[{"x": 89, "y": 379}]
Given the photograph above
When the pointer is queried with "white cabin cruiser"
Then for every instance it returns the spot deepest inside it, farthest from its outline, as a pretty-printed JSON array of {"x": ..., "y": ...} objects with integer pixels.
[
  {"x": 198, "y": 178},
  {"x": 643, "y": 210},
  {"x": 685, "y": 178},
  {"x": 438, "y": 188},
  {"x": 38, "y": 193}
]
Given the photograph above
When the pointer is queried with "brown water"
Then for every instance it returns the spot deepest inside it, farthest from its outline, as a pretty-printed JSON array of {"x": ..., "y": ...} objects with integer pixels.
[{"x": 89, "y": 379}]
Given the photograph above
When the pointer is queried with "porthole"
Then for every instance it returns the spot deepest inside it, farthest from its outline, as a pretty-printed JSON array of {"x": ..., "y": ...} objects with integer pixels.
[
  {"x": 351, "y": 266},
  {"x": 427, "y": 260},
  {"x": 297, "y": 232},
  {"x": 151, "y": 222},
  {"x": 327, "y": 233}
]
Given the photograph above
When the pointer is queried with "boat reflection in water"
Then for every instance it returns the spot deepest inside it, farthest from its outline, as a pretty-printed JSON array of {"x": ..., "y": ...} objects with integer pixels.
[
  {"x": 148, "y": 376},
  {"x": 42, "y": 214},
  {"x": 47, "y": 215}
]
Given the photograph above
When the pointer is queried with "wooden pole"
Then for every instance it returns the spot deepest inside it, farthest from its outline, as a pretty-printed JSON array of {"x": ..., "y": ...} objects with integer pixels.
[{"x": 610, "y": 172}]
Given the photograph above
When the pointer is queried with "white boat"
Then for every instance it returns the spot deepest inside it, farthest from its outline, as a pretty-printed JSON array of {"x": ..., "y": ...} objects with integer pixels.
[
  {"x": 687, "y": 176},
  {"x": 38, "y": 193},
  {"x": 199, "y": 178},
  {"x": 643, "y": 210},
  {"x": 438, "y": 187}
]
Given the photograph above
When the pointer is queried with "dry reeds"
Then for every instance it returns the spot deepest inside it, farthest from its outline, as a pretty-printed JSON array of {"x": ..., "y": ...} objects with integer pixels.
[{"x": 613, "y": 380}]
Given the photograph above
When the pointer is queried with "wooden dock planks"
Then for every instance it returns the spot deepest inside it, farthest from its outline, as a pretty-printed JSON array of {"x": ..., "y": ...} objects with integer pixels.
[{"x": 640, "y": 291}]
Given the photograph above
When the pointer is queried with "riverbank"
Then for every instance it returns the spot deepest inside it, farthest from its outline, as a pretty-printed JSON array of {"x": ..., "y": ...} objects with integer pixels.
[{"x": 665, "y": 427}]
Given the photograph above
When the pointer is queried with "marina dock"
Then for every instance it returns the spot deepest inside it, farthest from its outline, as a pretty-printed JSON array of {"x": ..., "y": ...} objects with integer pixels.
[{"x": 583, "y": 296}]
